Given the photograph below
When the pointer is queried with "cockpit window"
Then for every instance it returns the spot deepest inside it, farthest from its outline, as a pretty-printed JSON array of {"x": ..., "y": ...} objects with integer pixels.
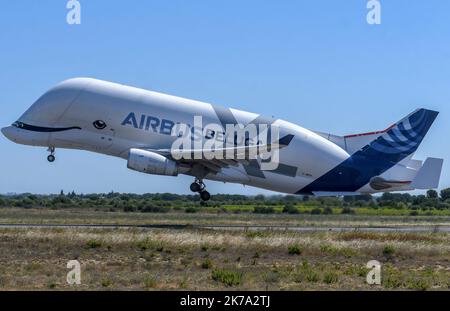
[{"x": 18, "y": 124}]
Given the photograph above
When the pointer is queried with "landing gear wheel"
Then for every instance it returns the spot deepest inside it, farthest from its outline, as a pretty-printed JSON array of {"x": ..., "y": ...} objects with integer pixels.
[
  {"x": 205, "y": 196},
  {"x": 199, "y": 187},
  {"x": 195, "y": 187},
  {"x": 51, "y": 158}
]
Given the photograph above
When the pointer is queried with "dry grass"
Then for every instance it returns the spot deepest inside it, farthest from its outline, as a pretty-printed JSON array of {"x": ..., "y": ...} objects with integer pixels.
[
  {"x": 160, "y": 259},
  {"x": 185, "y": 259},
  {"x": 405, "y": 237}
]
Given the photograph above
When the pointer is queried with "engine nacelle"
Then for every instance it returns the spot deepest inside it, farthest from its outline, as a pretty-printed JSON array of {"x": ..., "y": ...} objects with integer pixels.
[{"x": 151, "y": 163}]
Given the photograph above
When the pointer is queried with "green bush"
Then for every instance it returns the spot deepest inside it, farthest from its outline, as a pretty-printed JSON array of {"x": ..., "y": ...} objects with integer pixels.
[
  {"x": 445, "y": 194},
  {"x": 327, "y": 210},
  {"x": 312, "y": 276},
  {"x": 295, "y": 249},
  {"x": 150, "y": 282},
  {"x": 94, "y": 243},
  {"x": 263, "y": 210},
  {"x": 432, "y": 194},
  {"x": 191, "y": 210},
  {"x": 129, "y": 208},
  {"x": 106, "y": 283},
  {"x": 316, "y": 211},
  {"x": 227, "y": 277},
  {"x": 154, "y": 209},
  {"x": 391, "y": 281},
  {"x": 207, "y": 264},
  {"x": 271, "y": 277},
  {"x": 400, "y": 206},
  {"x": 290, "y": 209},
  {"x": 347, "y": 210},
  {"x": 418, "y": 284},
  {"x": 443, "y": 206},
  {"x": 330, "y": 277},
  {"x": 388, "y": 250},
  {"x": 144, "y": 244},
  {"x": 329, "y": 249}
]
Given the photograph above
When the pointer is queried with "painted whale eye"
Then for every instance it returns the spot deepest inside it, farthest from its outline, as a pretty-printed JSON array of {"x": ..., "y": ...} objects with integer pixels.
[{"x": 99, "y": 124}]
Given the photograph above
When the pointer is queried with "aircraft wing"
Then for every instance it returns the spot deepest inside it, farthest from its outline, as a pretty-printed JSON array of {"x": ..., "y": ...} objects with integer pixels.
[{"x": 245, "y": 155}]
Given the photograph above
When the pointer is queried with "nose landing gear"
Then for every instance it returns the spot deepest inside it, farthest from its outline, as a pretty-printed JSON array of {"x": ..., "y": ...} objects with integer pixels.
[
  {"x": 199, "y": 186},
  {"x": 51, "y": 157}
]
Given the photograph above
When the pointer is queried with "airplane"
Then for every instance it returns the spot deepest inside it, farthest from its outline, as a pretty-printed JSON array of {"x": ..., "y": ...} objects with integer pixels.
[{"x": 137, "y": 125}]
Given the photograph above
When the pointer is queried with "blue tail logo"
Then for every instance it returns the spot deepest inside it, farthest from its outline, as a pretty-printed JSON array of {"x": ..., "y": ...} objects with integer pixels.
[
  {"x": 406, "y": 136},
  {"x": 398, "y": 142}
]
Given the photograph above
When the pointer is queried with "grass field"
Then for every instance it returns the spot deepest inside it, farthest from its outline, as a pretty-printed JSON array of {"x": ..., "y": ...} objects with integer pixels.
[
  {"x": 193, "y": 259},
  {"x": 104, "y": 216}
]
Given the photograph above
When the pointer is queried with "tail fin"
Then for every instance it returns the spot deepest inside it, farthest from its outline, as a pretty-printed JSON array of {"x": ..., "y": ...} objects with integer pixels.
[
  {"x": 407, "y": 132},
  {"x": 377, "y": 156},
  {"x": 404, "y": 137}
]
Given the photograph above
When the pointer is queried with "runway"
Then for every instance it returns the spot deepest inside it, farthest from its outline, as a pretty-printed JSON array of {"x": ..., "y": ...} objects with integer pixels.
[{"x": 405, "y": 229}]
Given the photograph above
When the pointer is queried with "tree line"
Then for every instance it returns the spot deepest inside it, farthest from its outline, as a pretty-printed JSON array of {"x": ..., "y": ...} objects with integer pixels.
[{"x": 161, "y": 202}]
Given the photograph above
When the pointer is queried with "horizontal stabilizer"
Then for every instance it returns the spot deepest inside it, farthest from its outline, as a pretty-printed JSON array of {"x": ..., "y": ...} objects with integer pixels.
[{"x": 429, "y": 174}]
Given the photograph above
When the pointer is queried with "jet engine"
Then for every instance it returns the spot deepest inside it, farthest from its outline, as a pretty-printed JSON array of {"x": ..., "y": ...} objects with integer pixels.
[{"x": 151, "y": 163}]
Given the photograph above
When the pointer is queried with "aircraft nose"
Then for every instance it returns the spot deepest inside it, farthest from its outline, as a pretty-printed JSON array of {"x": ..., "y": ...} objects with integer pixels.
[{"x": 8, "y": 132}]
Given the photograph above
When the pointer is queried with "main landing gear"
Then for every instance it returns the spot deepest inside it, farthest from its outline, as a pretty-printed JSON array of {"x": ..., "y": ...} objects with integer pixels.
[
  {"x": 51, "y": 157},
  {"x": 199, "y": 186}
]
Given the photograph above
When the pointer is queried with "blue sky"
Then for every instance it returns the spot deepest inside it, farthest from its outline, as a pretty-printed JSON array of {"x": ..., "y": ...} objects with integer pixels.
[{"x": 315, "y": 63}]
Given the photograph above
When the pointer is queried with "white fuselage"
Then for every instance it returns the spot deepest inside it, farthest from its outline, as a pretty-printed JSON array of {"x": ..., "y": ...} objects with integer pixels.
[{"x": 76, "y": 104}]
